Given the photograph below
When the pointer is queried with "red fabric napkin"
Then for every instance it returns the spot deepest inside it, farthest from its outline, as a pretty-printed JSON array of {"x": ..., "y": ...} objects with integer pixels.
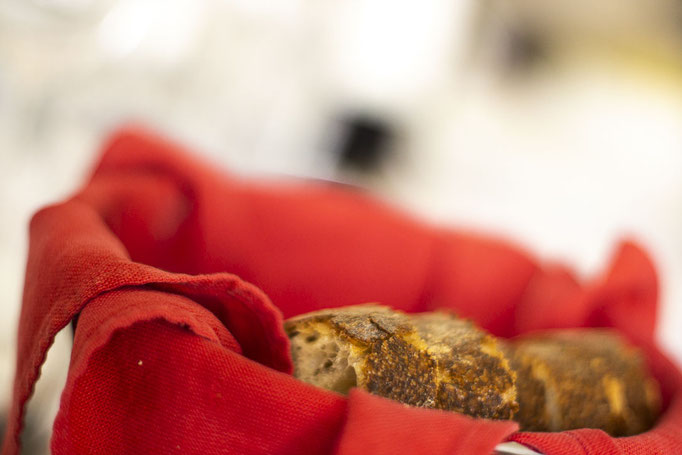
[{"x": 181, "y": 275}]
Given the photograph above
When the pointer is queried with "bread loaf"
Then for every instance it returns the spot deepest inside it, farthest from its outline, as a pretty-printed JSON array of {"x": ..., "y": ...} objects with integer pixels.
[
  {"x": 432, "y": 360},
  {"x": 551, "y": 382},
  {"x": 585, "y": 378}
]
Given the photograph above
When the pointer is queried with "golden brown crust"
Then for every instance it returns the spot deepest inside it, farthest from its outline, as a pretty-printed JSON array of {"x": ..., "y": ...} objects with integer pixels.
[
  {"x": 551, "y": 382},
  {"x": 395, "y": 369},
  {"x": 360, "y": 323},
  {"x": 583, "y": 379},
  {"x": 429, "y": 360},
  {"x": 475, "y": 377}
]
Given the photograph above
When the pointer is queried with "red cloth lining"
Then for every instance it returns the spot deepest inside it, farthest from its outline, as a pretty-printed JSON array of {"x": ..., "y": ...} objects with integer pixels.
[{"x": 182, "y": 274}]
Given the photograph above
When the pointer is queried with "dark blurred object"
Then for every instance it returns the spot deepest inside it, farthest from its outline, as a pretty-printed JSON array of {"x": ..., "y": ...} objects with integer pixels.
[
  {"x": 525, "y": 49},
  {"x": 365, "y": 143}
]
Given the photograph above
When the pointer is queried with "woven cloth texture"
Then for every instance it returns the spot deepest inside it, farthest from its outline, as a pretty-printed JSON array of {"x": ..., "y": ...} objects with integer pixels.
[{"x": 181, "y": 274}]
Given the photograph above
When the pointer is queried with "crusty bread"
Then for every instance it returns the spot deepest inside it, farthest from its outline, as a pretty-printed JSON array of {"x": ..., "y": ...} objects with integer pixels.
[
  {"x": 556, "y": 381},
  {"x": 473, "y": 375},
  {"x": 432, "y": 360},
  {"x": 583, "y": 378}
]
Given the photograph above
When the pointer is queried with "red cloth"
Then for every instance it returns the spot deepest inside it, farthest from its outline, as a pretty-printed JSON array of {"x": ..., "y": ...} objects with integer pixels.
[{"x": 181, "y": 274}]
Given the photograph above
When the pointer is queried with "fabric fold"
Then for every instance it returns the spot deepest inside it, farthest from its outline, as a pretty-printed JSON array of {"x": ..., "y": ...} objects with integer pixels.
[
  {"x": 76, "y": 258},
  {"x": 182, "y": 274}
]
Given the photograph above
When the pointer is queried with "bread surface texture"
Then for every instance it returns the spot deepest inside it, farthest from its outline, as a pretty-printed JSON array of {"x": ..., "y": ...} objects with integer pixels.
[
  {"x": 553, "y": 381},
  {"x": 432, "y": 360},
  {"x": 583, "y": 378}
]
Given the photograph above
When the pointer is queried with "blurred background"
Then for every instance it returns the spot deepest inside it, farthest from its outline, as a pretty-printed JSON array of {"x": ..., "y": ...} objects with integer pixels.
[{"x": 557, "y": 125}]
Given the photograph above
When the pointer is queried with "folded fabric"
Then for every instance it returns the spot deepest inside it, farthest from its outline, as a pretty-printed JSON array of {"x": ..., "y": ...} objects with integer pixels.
[{"x": 180, "y": 276}]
